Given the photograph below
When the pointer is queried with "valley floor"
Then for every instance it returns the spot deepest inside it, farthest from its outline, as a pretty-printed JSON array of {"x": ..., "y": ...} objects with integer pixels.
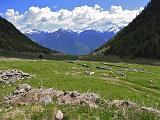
[{"x": 137, "y": 83}]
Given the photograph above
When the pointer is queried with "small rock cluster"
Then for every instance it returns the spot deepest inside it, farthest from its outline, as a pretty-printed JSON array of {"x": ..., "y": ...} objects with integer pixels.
[
  {"x": 23, "y": 88},
  {"x": 103, "y": 68},
  {"x": 123, "y": 103},
  {"x": 83, "y": 65},
  {"x": 115, "y": 65},
  {"x": 20, "y": 90},
  {"x": 11, "y": 76},
  {"x": 120, "y": 73},
  {"x": 129, "y": 104},
  {"x": 24, "y": 94},
  {"x": 74, "y": 97},
  {"x": 136, "y": 70}
]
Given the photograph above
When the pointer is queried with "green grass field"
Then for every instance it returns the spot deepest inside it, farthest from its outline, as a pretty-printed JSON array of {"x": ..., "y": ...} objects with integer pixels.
[{"x": 134, "y": 86}]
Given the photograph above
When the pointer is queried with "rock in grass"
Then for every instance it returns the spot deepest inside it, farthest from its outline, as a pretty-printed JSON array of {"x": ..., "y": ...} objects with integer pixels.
[
  {"x": 74, "y": 94},
  {"x": 149, "y": 109},
  {"x": 22, "y": 88},
  {"x": 45, "y": 100},
  {"x": 150, "y": 81},
  {"x": 25, "y": 87},
  {"x": 83, "y": 65},
  {"x": 25, "y": 74},
  {"x": 11, "y": 76},
  {"x": 123, "y": 103},
  {"x": 120, "y": 73},
  {"x": 90, "y": 97},
  {"x": 103, "y": 68},
  {"x": 89, "y": 73},
  {"x": 59, "y": 115}
]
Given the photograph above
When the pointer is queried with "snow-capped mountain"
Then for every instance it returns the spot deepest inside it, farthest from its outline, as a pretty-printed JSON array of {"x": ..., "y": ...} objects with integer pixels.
[{"x": 70, "y": 42}]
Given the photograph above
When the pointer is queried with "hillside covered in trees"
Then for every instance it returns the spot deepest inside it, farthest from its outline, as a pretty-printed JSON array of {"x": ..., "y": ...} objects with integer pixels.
[
  {"x": 12, "y": 40},
  {"x": 140, "y": 39}
]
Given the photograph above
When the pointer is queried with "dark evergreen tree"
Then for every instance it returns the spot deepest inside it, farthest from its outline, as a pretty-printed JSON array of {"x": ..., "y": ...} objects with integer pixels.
[{"x": 40, "y": 56}]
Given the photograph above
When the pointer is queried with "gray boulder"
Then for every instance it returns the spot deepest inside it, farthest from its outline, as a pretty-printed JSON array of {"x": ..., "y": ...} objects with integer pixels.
[
  {"x": 24, "y": 87},
  {"x": 59, "y": 115},
  {"x": 90, "y": 97},
  {"x": 45, "y": 100}
]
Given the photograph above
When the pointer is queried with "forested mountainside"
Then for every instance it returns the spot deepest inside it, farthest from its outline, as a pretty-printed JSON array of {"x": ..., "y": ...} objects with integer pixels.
[
  {"x": 140, "y": 39},
  {"x": 13, "y": 40}
]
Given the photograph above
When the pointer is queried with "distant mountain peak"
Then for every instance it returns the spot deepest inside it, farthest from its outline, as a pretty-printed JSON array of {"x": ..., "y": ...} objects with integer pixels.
[
  {"x": 114, "y": 29},
  {"x": 36, "y": 31},
  {"x": 68, "y": 41}
]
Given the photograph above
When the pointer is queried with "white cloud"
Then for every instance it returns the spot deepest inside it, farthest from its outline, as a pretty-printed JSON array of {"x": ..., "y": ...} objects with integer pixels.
[{"x": 78, "y": 19}]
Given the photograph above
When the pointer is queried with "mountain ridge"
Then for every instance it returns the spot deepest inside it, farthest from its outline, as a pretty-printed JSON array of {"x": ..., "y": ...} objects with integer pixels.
[
  {"x": 12, "y": 40},
  {"x": 70, "y": 42},
  {"x": 140, "y": 39}
]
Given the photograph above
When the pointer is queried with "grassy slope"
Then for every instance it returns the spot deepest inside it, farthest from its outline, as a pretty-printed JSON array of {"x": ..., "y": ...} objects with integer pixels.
[
  {"x": 13, "y": 41},
  {"x": 58, "y": 74}
]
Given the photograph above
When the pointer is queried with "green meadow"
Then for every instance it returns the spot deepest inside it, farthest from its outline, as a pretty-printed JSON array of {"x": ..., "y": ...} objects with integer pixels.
[{"x": 119, "y": 81}]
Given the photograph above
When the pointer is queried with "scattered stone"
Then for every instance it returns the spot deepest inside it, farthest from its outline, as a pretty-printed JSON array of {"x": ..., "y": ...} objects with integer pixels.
[
  {"x": 83, "y": 65},
  {"x": 89, "y": 73},
  {"x": 149, "y": 109},
  {"x": 114, "y": 65},
  {"x": 109, "y": 77},
  {"x": 123, "y": 103},
  {"x": 71, "y": 61},
  {"x": 106, "y": 75},
  {"x": 66, "y": 99},
  {"x": 59, "y": 93},
  {"x": 25, "y": 75},
  {"x": 126, "y": 68},
  {"x": 11, "y": 76},
  {"x": 74, "y": 94},
  {"x": 25, "y": 87},
  {"x": 103, "y": 68},
  {"x": 77, "y": 98},
  {"x": 25, "y": 95},
  {"x": 45, "y": 100},
  {"x": 45, "y": 92},
  {"x": 75, "y": 68},
  {"x": 150, "y": 81},
  {"x": 136, "y": 70},
  {"x": 59, "y": 115},
  {"x": 90, "y": 97},
  {"x": 120, "y": 73},
  {"x": 129, "y": 104}
]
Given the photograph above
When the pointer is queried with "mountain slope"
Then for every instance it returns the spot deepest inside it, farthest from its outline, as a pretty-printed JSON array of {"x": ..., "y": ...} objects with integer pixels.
[
  {"x": 71, "y": 42},
  {"x": 94, "y": 39},
  {"x": 141, "y": 38},
  {"x": 13, "y": 40}
]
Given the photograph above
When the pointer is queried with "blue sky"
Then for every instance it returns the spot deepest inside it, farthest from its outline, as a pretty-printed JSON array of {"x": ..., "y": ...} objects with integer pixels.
[{"x": 23, "y": 5}]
